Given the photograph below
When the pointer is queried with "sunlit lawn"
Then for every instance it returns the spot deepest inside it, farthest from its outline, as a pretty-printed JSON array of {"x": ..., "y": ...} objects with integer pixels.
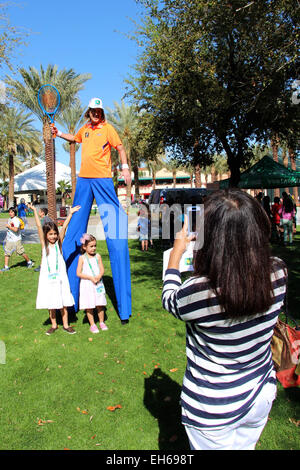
[{"x": 56, "y": 391}]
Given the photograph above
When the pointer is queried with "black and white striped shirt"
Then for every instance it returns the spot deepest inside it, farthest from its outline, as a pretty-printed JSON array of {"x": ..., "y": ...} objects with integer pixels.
[{"x": 228, "y": 360}]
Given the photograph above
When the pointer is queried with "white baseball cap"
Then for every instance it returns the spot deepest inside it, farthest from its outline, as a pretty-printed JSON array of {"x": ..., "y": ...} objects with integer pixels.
[{"x": 95, "y": 103}]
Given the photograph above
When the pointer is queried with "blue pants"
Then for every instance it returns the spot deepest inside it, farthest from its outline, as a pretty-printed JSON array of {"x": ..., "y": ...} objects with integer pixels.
[{"x": 115, "y": 224}]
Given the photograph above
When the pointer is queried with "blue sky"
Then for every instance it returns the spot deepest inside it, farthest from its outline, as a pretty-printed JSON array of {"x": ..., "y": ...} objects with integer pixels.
[{"x": 88, "y": 36}]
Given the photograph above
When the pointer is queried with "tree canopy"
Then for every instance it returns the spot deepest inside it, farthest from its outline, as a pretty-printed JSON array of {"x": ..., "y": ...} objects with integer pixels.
[{"x": 216, "y": 75}]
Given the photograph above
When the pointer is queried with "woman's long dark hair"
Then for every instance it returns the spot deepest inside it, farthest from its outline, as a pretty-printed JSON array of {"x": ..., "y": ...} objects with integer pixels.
[
  {"x": 46, "y": 228},
  {"x": 288, "y": 204},
  {"x": 236, "y": 255}
]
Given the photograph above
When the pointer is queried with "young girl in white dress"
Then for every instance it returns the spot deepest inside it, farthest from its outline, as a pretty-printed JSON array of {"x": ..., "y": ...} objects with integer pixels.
[
  {"x": 54, "y": 289},
  {"x": 92, "y": 292}
]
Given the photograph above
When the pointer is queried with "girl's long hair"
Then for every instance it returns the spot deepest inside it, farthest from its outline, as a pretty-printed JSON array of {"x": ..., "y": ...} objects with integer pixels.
[
  {"x": 236, "y": 255},
  {"x": 46, "y": 228},
  {"x": 288, "y": 204}
]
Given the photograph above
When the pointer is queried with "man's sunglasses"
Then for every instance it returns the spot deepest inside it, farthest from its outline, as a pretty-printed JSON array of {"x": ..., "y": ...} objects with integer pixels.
[{"x": 95, "y": 110}]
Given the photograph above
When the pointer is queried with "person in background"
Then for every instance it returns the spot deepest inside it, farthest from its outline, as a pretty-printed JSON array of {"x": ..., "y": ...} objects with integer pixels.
[
  {"x": 294, "y": 218},
  {"x": 97, "y": 137},
  {"x": 143, "y": 226},
  {"x": 230, "y": 307},
  {"x": 259, "y": 197},
  {"x": 22, "y": 211},
  {"x": 13, "y": 240},
  {"x": 43, "y": 214},
  {"x": 276, "y": 217},
  {"x": 287, "y": 213},
  {"x": 266, "y": 206}
]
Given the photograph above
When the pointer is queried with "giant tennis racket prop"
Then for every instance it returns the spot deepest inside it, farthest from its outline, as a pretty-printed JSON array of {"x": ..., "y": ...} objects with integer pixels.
[{"x": 49, "y": 101}]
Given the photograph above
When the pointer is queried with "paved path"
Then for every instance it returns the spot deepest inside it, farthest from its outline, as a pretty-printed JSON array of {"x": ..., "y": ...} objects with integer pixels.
[
  {"x": 95, "y": 228},
  {"x": 30, "y": 234}
]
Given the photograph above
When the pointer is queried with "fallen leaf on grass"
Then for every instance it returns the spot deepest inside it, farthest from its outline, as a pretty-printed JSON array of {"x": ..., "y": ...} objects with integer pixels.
[
  {"x": 294, "y": 421},
  {"x": 173, "y": 370},
  {"x": 113, "y": 408},
  {"x": 41, "y": 422},
  {"x": 84, "y": 412}
]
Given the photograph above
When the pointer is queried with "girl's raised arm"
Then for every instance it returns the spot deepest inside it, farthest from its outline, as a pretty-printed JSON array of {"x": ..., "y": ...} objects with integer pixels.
[
  {"x": 38, "y": 224},
  {"x": 66, "y": 222}
]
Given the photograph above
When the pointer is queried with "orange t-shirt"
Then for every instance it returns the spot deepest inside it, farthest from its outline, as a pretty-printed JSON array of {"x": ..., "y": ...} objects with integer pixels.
[{"x": 95, "y": 153}]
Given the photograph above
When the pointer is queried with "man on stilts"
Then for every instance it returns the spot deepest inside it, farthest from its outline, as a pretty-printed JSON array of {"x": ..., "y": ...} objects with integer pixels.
[{"x": 95, "y": 181}]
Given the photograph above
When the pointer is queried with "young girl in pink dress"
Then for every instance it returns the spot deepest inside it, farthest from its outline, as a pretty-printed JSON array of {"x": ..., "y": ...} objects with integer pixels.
[{"x": 92, "y": 292}]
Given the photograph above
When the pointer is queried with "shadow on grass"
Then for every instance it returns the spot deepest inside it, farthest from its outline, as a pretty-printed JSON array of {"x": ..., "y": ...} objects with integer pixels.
[
  {"x": 110, "y": 290},
  {"x": 146, "y": 265},
  {"x": 161, "y": 398}
]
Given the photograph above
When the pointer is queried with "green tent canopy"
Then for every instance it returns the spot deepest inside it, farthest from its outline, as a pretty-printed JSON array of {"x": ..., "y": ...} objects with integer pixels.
[{"x": 266, "y": 174}]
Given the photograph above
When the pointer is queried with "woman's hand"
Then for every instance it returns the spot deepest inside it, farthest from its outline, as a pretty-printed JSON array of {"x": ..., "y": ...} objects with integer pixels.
[
  {"x": 182, "y": 239},
  {"x": 181, "y": 243}
]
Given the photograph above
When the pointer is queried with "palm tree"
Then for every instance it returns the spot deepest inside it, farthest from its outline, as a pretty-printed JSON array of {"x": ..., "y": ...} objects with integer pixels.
[
  {"x": 220, "y": 165},
  {"x": 71, "y": 118},
  {"x": 18, "y": 136},
  {"x": 63, "y": 188},
  {"x": 153, "y": 167},
  {"x": 68, "y": 84},
  {"x": 190, "y": 169},
  {"x": 172, "y": 165}
]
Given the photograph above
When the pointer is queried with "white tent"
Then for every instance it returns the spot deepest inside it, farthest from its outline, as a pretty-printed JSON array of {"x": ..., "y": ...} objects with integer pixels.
[{"x": 34, "y": 179}]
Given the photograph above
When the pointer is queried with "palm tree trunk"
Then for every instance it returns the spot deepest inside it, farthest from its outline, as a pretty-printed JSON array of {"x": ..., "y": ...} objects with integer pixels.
[
  {"x": 213, "y": 174},
  {"x": 50, "y": 170},
  {"x": 197, "y": 176},
  {"x": 174, "y": 178},
  {"x": 73, "y": 168},
  {"x": 11, "y": 180},
  {"x": 153, "y": 179},
  {"x": 136, "y": 182}
]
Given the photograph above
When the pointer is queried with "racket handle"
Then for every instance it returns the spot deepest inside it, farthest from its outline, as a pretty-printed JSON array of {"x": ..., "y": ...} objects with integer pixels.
[{"x": 52, "y": 125}]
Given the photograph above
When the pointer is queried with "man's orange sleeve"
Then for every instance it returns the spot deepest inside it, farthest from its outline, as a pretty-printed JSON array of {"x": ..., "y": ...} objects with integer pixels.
[
  {"x": 78, "y": 136},
  {"x": 113, "y": 137}
]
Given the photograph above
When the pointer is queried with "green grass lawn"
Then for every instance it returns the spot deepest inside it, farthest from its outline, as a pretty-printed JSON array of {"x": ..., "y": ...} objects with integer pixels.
[{"x": 56, "y": 390}]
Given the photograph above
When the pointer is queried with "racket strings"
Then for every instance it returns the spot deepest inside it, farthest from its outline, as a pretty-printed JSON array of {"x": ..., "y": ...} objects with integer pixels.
[{"x": 49, "y": 99}]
